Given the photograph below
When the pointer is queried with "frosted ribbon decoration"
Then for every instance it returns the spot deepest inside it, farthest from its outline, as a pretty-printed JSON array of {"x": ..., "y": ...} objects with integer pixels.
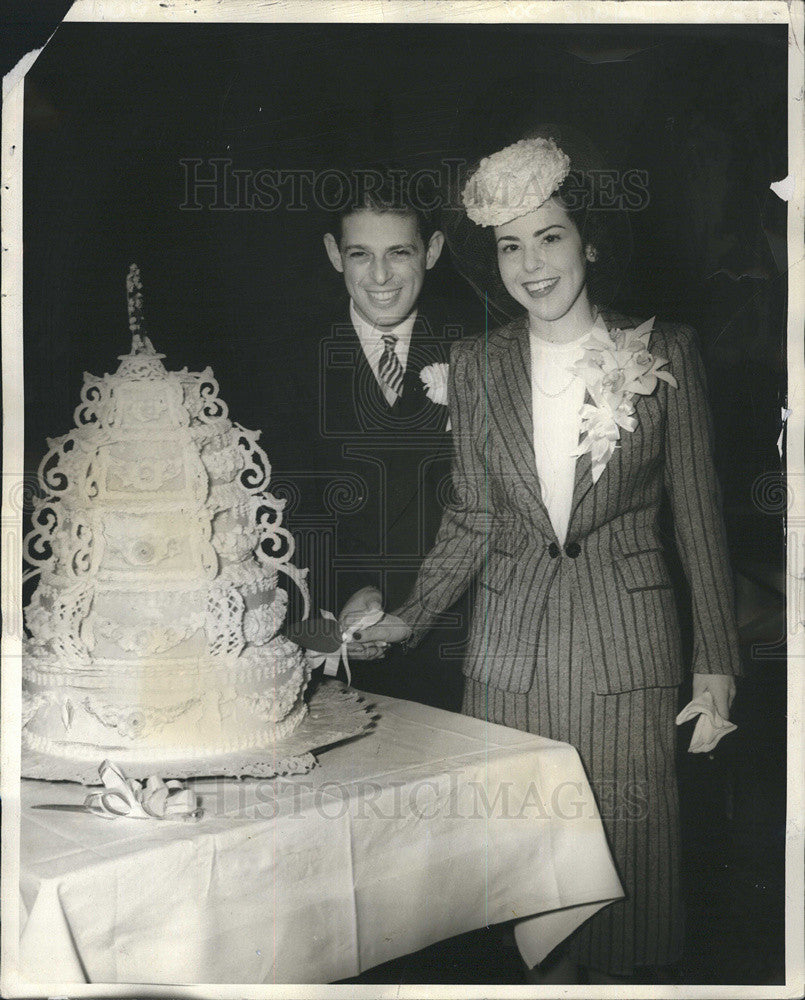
[
  {"x": 340, "y": 655},
  {"x": 152, "y": 799}
]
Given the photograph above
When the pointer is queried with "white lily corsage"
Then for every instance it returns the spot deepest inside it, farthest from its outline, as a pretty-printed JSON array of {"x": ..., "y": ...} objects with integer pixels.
[
  {"x": 434, "y": 378},
  {"x": 616, "y": 366}
]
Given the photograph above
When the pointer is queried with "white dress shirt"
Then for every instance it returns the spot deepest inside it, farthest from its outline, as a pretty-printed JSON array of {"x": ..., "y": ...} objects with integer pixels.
[
  {"x": 557, "y": 396},
  {"x": 373, "y": 346}
]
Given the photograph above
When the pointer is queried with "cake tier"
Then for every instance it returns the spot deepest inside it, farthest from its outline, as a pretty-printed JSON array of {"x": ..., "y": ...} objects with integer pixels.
[
  {"x": 140, "y": 709},
  {"x": 158, "y": 507},
  {"x": 98, "y": 621}
]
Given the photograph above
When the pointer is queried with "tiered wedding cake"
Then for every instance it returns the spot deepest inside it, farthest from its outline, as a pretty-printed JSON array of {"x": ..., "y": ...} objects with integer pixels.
[{"x": 153, "y": 628}]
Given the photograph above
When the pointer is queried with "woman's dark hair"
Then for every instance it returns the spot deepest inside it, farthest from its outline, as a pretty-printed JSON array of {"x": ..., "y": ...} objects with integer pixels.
[
  {"x": 388, "y": 188},
  {"x": 601, "y": 224}
]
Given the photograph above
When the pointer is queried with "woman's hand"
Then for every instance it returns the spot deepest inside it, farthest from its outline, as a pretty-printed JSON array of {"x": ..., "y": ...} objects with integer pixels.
[
  {"x": 363, "y": 602},
  {"x": 721, "y": 686},
  {"x": 370, "y": 642}
]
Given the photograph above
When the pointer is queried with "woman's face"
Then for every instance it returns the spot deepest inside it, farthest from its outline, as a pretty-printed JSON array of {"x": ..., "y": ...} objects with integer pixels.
[{"x": 542, "y": 263}]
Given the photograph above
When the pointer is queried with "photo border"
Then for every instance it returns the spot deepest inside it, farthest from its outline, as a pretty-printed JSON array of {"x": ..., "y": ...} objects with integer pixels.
[{"x": 403, "y": 11}]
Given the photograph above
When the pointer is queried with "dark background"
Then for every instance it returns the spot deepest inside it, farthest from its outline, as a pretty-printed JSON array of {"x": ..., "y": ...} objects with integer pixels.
[{"x": 112, "y": 109}]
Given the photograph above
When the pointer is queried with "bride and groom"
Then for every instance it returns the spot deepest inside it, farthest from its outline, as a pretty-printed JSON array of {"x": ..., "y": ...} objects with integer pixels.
[{"x": 570, "y": 425}]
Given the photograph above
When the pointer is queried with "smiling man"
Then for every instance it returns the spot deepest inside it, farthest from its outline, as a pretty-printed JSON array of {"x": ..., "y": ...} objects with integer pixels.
[
  {"x": 383, "y": 254},
  {"x": 374, "y": 469}
]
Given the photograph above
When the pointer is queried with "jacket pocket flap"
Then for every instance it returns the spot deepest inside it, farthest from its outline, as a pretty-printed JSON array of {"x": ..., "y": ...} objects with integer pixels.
[
  {"x": 643, "y": 570},
  {"x": 497, "y": 572}
]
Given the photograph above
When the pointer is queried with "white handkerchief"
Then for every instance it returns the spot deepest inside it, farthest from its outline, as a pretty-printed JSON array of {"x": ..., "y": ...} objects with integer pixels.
[{"x": 710, "y": 727}]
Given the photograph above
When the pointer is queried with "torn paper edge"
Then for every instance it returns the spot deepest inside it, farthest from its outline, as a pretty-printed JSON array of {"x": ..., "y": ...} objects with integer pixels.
[{"x": 411, "y": 11}]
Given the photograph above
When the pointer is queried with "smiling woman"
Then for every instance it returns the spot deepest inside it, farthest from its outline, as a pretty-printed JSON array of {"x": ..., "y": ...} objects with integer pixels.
[
  {"x": 542, "y": 264},
  {"x": 564, "y": 642},
  {"x": 588, "y": 201}
]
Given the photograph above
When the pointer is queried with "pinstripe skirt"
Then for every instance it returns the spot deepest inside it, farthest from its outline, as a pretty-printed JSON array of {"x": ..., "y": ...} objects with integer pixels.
[{"x": 626, "y": 742}]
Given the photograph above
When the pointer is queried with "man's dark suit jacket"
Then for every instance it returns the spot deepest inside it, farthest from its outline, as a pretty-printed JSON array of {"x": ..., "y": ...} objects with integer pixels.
[{"x": 366, "y": 485}]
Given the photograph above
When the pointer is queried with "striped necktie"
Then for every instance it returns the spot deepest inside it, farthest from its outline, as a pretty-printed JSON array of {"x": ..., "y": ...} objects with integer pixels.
[{"x": 390, "y": 370}]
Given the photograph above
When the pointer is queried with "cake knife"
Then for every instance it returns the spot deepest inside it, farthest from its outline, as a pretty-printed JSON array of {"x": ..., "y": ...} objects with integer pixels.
[{"x": 62, "y": 807}]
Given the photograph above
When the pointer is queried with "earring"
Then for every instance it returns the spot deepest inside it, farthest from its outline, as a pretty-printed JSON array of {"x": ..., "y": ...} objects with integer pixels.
[{"x": 591, "y": 253}]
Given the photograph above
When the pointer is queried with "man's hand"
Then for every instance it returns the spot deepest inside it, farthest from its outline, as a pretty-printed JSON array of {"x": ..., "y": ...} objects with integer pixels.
[{"x": 721, "y": 686}]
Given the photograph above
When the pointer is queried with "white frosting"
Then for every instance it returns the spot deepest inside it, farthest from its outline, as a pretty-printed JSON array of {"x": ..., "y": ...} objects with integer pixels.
[{"x": 153, "y": 629}]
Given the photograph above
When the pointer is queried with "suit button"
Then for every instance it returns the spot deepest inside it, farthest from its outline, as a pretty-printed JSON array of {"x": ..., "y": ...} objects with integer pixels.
[
  {"x": 553, "y": 550},
  {"x": 573, "y": 549}
]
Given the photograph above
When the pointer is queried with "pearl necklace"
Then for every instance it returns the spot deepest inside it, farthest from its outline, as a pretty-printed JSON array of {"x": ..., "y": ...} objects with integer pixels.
[
  {"x": 555, "y": 395},
  {"x": 559, "y": 392},
  {"x": 573, "y": 376}
]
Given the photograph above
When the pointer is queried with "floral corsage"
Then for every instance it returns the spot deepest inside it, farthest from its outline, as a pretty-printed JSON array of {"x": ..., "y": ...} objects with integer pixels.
[
  {"x": 434, "y": 378},
  {"x": 616, "y": 366}
]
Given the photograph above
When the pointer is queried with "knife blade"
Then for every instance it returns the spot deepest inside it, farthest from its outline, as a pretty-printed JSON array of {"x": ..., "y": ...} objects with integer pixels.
[
  {"x": 192, "y": 817},
  {"x": 61, "y": 807}
]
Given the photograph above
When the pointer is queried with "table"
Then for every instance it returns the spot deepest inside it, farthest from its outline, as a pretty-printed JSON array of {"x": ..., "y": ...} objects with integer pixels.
[{"x": 431, "y": 825}]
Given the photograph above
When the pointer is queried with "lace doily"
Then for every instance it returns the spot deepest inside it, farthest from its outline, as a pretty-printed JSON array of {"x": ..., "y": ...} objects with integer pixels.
[{"x": 336, "y": 714}]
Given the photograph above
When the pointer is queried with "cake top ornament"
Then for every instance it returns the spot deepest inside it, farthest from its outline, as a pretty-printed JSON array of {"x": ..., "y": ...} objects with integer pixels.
[
  {"x": 134, "y": 301},
  {"x": 514, "y": 181}
]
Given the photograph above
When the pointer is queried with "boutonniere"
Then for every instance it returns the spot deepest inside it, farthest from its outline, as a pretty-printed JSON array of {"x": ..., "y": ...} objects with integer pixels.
[
  {"x": 616, "y": 367},
  {"x": 434, "y": 378}
]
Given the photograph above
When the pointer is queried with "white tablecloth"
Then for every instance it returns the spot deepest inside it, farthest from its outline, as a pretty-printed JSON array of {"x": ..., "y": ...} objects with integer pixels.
[{"x": 431, "y": 825}]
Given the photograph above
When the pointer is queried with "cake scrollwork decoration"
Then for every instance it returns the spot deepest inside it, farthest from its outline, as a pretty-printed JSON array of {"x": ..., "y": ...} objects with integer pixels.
[{"x": 158, "y": 549}]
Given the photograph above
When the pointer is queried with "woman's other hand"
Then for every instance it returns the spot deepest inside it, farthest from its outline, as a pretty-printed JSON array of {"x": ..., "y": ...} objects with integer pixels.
[
  {"x": 367, "y": 650},
  {"x": 721, "y": 686}
]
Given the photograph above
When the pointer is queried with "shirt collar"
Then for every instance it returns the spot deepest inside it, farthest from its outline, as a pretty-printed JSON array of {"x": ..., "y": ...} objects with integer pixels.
[{"x": 368, "y": 334}]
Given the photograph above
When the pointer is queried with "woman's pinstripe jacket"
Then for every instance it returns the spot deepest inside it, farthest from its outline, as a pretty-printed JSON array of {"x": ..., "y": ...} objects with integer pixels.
[{"x": 496, "y": 526}]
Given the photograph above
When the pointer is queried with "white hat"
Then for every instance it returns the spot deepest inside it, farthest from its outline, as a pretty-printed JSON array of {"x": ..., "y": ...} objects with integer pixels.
[{"x": 514, "y": 181}]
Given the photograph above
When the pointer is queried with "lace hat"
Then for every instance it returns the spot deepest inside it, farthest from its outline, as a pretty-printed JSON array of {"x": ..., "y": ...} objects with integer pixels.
[{"x": 514, "y": 181}]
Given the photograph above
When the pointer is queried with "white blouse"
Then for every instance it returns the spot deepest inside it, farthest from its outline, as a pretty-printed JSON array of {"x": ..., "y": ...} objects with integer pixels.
[{"x": 557, "y": 396}]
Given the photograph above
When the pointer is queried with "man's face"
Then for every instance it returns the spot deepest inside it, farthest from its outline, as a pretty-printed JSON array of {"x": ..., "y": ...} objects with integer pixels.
[{"x": 383, "y": 259}]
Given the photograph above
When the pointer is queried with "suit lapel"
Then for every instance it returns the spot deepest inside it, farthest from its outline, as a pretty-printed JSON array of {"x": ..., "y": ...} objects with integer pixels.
[
  {"x": 412, "y": 388},
  {"x": 337, "y": 379},
  {"x": 510, "y": 375},
  {"x": 424, "y": 349},
  {"x": 364, "y": 389},
  {"x": 583, "y": 481}
]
